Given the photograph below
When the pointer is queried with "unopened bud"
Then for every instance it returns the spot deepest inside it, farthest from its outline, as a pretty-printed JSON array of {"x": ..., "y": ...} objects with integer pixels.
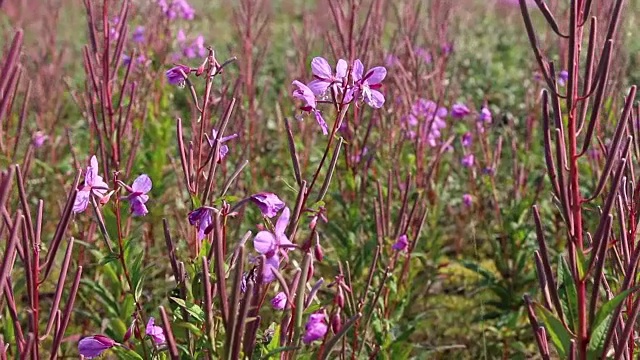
[
  {"x": 313, "y": 223},
  {"x": 317, "y": 252},
  {"x": 310, "y": 270},
  {"x": 340, "y": 298},
  {"x": 200, "y": 70},
  {"x": 336, "y": 323}
]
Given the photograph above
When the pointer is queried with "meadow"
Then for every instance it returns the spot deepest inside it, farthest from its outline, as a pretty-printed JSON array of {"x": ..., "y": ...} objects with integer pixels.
[{"x": 329, "y": 179}]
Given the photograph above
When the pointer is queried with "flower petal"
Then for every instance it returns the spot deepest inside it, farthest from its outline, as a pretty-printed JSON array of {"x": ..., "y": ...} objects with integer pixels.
[
  {"x": 375, "y": 99},
  {"x": 358, "y": 70},
  {"x": 82, "y": 201},
  {"x": 142, "y": 184},
  {"x": 341, "y": 69},
  {"x": 321, "y": 122},
  {"x": 376, "y": 75},
  {"x": 283, "y": 221},
  {"x": 321, "y": 68},
  {"x": 264, "y": 242},
  {"x": 319, "y": 87}
]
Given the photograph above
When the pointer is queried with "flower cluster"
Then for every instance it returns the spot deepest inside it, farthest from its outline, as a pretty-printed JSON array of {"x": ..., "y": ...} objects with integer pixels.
[
  {"x": 190, "y": 48},
  {"x": 177, "y": 8},
  {"x": 362, "y": 86},
  {"x": 431, "y": 118}
]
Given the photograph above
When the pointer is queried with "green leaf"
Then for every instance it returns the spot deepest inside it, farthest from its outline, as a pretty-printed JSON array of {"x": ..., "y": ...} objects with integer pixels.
[
  {"x": 568, "y": 294},
  {"x": 559, "y": 335},
  {"x": 109, "y": 258},
  {"x": 193, "y": 309},
  {"x": 126, "y": 354},
  {"x": 582, "y": 264},
  {"x": 602, "y": 322}
]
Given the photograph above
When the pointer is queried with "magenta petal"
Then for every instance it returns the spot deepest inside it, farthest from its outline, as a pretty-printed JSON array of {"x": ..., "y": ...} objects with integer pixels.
[
  {"x": 138, "y": 208},
  {"x": 358, "y": 70},
  {"x": 156, "y": 332},
  {"x": 304, "y": 93},
  {"x": 264, "y": 242},
  {"x": 318, "y": 87},
  {"x": 267, "y": 273},
  {"x": 142, "y": 184},
  {"x": 375, "y": 99},
  {"x": 341, "y": 69},
  {"x": 93, "y": 346},
  {"x": 376, "y": 75},
  {"x": 283, "y": 221},
  {"x": 279, "y": 301},
  {"x": 321, "y": 122},
  {"x": 82, "y": 201},
  {"x": 321, "y": 68}
]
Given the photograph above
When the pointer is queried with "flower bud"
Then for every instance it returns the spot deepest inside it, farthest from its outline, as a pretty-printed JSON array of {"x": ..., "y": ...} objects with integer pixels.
[
  {"x": 317, "y": 252},
  {"x": 336, "y": 323},
  {"x": 340, "y": 298}
]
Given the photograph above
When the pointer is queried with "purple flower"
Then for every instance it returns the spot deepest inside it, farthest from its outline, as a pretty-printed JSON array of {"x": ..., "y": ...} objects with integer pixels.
[
  {"x": 156, "y": 332},
  {"x": 176, "y": 75},
  {"x": 428, "y": 112},
  {"x": 93, "y": 346},
  {"x": 367, "y": 84},
  {"x": 196, "y": 49},
  {"x": 279, "y": 301},
  {"x": 467, "y": 199},
  {"x": 224, "y": 149},
  {"x": 38, "y": 139},
  {"x": 459, "y": 110},
  {"x": 401, "y": 243},
  {"x": 467, "y": 139},
  {"x": 93, "y": 184},
  {"x": 468, "y": 160},
  {"x": 563, "y": 77},
  {"x": 423, "y": 55},
  {"x": 175, "y": 8},
  {"x": 305, "y": 94},
  {"x": 316, "y": 328},
  {"x": 485, "y": 115},
  {"x": 324, "y": 76},
  {"x": 202, "y": 218},
  {"x": 272, "y": 245},
  {"x": 138, "y": 35},
  {"x": 268, "y": 203},
  {"x": 138, "y": 197}
]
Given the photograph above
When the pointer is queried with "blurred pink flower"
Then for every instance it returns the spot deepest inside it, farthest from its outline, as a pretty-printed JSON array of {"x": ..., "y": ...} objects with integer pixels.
[
  {"x": 93, "y": 184},
  {"x": 316, "y": 328},
  {"x": 93, "y": 346},
  {"x": 156, "y": 332}
]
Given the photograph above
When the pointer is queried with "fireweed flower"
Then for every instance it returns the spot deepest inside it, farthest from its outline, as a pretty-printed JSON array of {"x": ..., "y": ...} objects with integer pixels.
[
  {"x": 279, "y": 301},
  {"x": 138, "y": 197},
  {"x": 138, "y": 35},
  {"x": 563, "y": 77},
  {"x": 196, "y": 49},
  {"x": 467, "y": 139},
  {"x": 224, "y": 149},
  {"x": 467, "y": 160},
  {"x": 316, "y": 328},
  {"x": 324, "y": 77},
  {"x": 484, "y": 116},
  {"x": 176, "y": 75},
  {"x": 273, "y": 244},
  {"x": 459, "y": 110},
  {"x": 268, "y": 203},
  {"x": 38, "y": 139},
  {"x": 427, "y": 112},
  {"x": 174, "y": 8},
  {"x": 401, "y": 243},
  {"x": 93, "y": 346},
  {"x": 156, "y": 332},
  {"x": 367, "y": 84},
  {"x": 467, "y": 199},
  {"x": 93, "y": 184},
  {"x": 202, "y": 218},
  {"x": 305, "y": 94}
]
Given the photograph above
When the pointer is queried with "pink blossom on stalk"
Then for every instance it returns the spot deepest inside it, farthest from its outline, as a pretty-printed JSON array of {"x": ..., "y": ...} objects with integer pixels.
[
  {"x": 367, "y": 84},
  {"x": 93, "y": 184},
  {"x": 138, "y": 197},
  {"x": 467, "y": 139},
  {"x": 467, "y": 199},
  {"x": 279, "y": 301},
  {"x": 38, "y": 139},
  {"x": 468, "y": 160},
  {"x": 202, "y": 218},
  {"x": 401, "y": 243},
  {"x": 272, "y": 245},
  {"x": 175, "y": 8},
  {"x": 176, "y": 75},
  {"x": 224, "y": 149},
  {"x": 156, "y": 332},
  {"x": 305, "y": 94},
  {"x": 484, "y": 116},
  {"x": 324, "y": 76},
  {"x": 316, "y": 328},
  {"x": 93, "y": 346},
  {"x": 268, "y": 203},
  {"x": 459, "y": 110}
]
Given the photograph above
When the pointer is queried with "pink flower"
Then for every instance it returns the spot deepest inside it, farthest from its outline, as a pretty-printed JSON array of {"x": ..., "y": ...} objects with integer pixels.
[
  {"x": 305, "y": 94},
  {"x": 268, "y": 203},
  {"x": 272, "y": 245},
  {"x": 93, "y": 184},
  {"x": 224, "y": 149},
  {"x": 316, "y": 328},
  {"x": 279, "y": 301},
  {"x": 138, "y": 197},
  {"x": 324, "y": 77},
  {"x": 93, "y": 346},
  {"x": 202, "y": 218},
  {"x": 401, "y": 243},
  {"x": 176, "y": 75},
  {"x": 367, "y": 84},
  {"x": 156, "y": 332}
]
